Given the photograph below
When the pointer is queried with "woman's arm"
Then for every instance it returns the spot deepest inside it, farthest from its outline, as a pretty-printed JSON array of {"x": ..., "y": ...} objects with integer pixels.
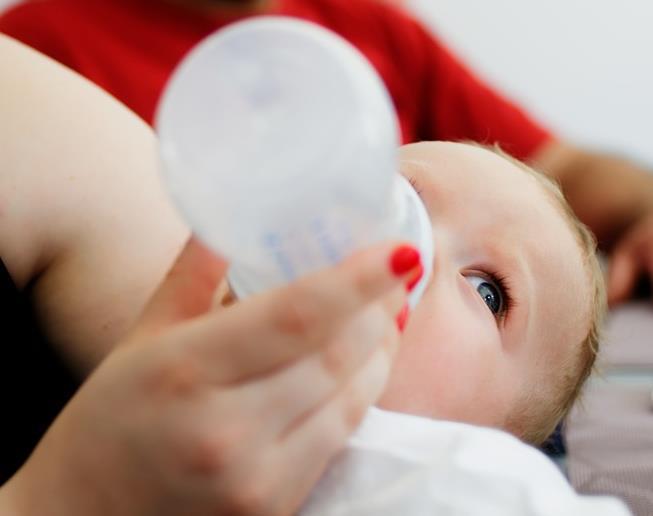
[{"x": 84, "y": 221}]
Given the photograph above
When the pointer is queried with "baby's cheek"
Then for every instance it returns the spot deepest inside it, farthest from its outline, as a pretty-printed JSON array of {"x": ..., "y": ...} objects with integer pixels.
[{"x": 446, "y": 367}]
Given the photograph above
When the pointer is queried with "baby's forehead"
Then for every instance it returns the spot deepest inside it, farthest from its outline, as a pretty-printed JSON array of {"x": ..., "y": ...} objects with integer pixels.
[
  {"x": 465, "y": 168},
  {"x": 477, "y": 178}
]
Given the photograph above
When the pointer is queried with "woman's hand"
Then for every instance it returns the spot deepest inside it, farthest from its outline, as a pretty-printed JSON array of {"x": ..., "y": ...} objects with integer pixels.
[
  {"x": 631, "y": 259},
  {"x": 233, "y": 412}
]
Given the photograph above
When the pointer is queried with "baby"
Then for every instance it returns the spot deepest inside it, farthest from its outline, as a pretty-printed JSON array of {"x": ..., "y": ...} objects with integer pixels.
[
  {"x": 504, "y": 336},
  {"x": 507, "y": 329}
]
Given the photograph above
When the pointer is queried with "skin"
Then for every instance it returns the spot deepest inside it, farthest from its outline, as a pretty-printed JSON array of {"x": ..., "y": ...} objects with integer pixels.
[
  {"x": 458, "y": 360},
  {"x": 170, "y": 421},
  {"x": 97, "y": 157},
  {"x": 84, "y": 313},
  {"x": 192, "y": 414},
  {"x": 96, "y": 153},
  {"x": 85, "y": 226}
]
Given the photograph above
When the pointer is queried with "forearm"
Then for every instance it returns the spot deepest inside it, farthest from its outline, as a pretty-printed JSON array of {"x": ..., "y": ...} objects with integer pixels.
[{"x": 608, "y": 193}]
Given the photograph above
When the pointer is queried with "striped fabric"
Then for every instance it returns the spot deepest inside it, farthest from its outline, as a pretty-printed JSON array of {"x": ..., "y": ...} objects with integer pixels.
[{"x": 610, "y": 435}]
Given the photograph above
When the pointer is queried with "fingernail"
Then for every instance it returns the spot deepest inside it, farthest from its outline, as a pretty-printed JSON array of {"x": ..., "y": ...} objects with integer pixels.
[
  {"x": 402, "y": 317},
  {"x": 410, "y": 285},
  {"x": 403, "y": 259}
]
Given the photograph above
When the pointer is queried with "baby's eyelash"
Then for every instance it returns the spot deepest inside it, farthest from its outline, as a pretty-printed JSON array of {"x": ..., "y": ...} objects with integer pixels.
[{"x": 502, "y": 282}]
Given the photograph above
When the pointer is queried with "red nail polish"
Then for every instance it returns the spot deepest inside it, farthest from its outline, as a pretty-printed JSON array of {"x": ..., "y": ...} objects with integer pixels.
[
  {"x": 402, "y": 317},
  {"x": 404, "y": 258},
  {"x": 410, "y": 285}
]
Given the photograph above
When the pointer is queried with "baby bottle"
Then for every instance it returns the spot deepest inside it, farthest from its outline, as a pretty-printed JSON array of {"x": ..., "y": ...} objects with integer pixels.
[{"x": 279, "y": 145}]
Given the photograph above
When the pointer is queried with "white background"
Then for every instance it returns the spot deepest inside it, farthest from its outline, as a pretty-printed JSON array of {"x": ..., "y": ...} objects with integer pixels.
[
  {"x": 584, "y": 67},
  {"x": 4, "y": 3}
]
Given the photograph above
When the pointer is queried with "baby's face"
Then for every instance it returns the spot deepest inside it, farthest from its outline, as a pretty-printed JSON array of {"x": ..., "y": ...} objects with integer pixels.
[{"x": 508, "y": 296}]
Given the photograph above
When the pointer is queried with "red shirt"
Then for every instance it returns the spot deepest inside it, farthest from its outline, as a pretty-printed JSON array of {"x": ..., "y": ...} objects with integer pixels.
[{"x": 130, "y": 47}]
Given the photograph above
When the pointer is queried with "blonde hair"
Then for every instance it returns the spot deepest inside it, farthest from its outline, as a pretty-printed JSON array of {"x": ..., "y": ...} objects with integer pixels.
[{"x": 537, "y": 415}]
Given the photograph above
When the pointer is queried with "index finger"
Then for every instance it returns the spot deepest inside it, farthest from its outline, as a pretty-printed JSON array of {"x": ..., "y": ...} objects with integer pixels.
[{"x": 271, "y": 330}]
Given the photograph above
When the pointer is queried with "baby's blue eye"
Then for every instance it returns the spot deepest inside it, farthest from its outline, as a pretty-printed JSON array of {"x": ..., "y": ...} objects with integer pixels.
[{"x": 489, "y": 292}]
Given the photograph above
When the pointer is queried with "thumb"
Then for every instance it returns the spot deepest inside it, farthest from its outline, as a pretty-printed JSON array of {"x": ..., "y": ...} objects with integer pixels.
[
  {"x": 622, "y": 273},
  {"x": 188, "y": 289}
]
